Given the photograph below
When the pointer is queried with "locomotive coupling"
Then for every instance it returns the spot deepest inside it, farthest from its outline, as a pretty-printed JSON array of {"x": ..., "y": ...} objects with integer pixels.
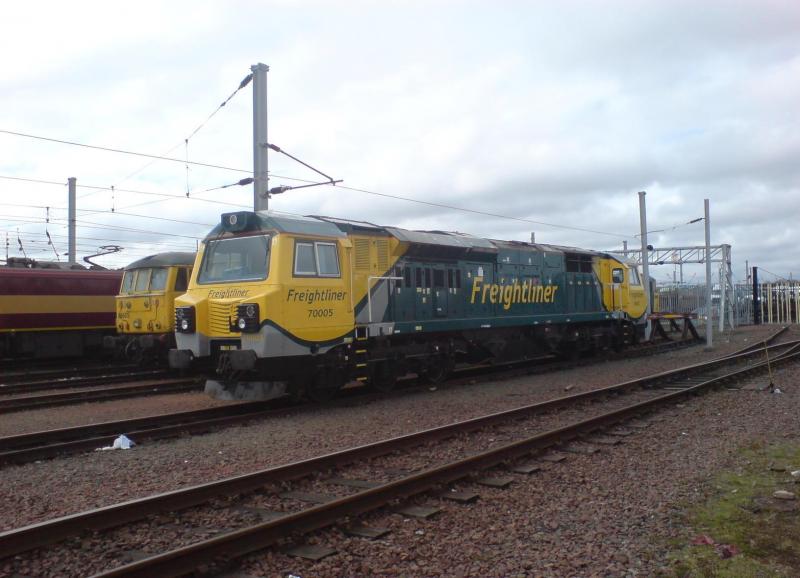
[
  {"x": 180, "y": 358},
  {"x": 242, "y": 359}
]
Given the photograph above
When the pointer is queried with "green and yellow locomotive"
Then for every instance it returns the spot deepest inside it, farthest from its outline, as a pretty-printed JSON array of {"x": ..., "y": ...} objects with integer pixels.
[
  {"x": 310, "y": 303},
  {"x": 145, "y": 308}
]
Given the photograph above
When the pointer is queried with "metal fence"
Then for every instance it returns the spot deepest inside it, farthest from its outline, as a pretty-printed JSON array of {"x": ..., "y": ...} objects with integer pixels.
[{"x": 778, "y": 302}]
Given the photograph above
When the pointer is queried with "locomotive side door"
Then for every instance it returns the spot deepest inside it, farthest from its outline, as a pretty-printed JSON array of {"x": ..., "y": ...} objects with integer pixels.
[
  {"x": 439, "y": 292},
  {"x": 455, "y": 300},
  {"x": 422, "y": 287},
  {"x": 403, "y": 302}
]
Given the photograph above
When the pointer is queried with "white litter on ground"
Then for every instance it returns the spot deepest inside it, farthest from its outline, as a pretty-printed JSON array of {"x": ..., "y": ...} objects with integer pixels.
[{"x": 123, "y": 442}]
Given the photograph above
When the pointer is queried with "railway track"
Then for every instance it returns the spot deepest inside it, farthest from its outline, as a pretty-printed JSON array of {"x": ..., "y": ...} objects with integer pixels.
[
  {"x": 24, "y": 448},
  {"x": 54, "y": 374},
  {"x": 61, "y": 381},
  {"x": 345, "y": 484},
  {"x": 119, "y": 391}
]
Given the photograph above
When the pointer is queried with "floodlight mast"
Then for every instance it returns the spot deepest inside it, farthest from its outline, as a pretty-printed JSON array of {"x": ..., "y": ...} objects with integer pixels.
[
  {"x": 71, "y": 185},
  {"x": 260, "y": 160},
  {"x": 645, "y": 269}
]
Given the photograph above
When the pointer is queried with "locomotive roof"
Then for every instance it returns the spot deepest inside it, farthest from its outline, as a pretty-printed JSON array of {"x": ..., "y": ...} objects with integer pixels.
[
  {"x": 441, "y": 238},
  {"x": 163, "y": 260},
  {"x": 270, "y": 221},
  {"x": 337, "y": 227}
]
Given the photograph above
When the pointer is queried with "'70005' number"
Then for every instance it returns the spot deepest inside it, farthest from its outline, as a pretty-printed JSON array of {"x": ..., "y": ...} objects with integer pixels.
[{"x": 320, "y": 312}]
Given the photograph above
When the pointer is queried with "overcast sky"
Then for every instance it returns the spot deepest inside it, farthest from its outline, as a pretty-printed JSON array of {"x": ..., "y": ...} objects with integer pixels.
[{"x": 558, "y": 113}]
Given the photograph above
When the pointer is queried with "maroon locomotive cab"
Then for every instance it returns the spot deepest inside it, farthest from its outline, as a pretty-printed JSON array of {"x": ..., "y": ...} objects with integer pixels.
[{"x": 47, "y": 313}]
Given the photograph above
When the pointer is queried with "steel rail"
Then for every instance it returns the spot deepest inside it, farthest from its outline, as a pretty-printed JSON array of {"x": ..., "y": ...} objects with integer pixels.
[
  {"x": 48, "y": 532},
  {"x": 16, "y": 376},
  {"x": 760, "y": 344},
  {"x": 79, "y": 381},
  {"x": 93, "y": 395},
  {"x": 46, "y": 444},
  {"x": 244, "y": 541}
]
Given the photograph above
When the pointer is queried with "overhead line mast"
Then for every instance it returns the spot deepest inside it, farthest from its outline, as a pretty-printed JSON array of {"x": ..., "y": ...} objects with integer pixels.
[{"x": 260, "y": 150}]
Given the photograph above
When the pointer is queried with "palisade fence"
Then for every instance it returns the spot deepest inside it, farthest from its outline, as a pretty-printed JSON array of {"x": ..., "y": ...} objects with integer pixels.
[{"x": 778, "y": 302}]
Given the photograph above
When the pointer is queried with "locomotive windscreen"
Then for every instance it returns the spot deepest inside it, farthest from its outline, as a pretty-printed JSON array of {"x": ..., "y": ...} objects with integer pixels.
[{"x": 237, "y": 259}]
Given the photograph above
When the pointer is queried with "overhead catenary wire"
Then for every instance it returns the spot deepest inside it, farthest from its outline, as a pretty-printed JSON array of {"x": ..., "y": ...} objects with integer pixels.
[
  {"x": 39, "y": 246},
  {"x": 138, "y": 192},
  {"x": 365, "y": 191},
  {"x": 778, "y": 277},
  {"x": 672, "y": 228},
  {"x": 81, "y": 238},
  {"x": 94, "y": 225},
  {"x": 185, "y": 141},
  {"x": 144, "y": 248},
  {"x": 122, "y": 151},
  {"x": 338, "y": 187},
  {"x": 106, "y": 212}
]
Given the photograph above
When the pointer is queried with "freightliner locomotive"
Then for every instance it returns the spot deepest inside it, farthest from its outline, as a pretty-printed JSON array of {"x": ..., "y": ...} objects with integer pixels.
[{"x": 312, "y": 303}]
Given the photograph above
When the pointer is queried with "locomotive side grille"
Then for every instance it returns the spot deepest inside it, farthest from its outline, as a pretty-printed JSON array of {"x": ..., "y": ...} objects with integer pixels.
[
  {"x": 362, "y": 253},
  {"x": 219, "y": 317},
  {"x": 383, "y": 255}
]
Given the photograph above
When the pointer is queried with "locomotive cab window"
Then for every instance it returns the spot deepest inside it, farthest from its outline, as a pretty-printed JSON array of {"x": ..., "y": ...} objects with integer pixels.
[
  {"x": 633, "y": 276},
  {"x": 617, "y": 276},
  {"x": 237, "y": 259},
  {"x": 158, "y": 279},
  {"x": 316, "y": 259},
  {"x": 327, "y": 259},
  {"x": 142, "y": 280},
  {"x": 182, "y": 280},
  {"x": 127, "y": 282}
]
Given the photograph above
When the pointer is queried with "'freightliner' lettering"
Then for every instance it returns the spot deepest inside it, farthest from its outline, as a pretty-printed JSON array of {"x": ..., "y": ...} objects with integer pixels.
[
  {"x": 227, "y": 293},
  {"x": 310, "y": 296},
  {"x": 508, "y": 295}
]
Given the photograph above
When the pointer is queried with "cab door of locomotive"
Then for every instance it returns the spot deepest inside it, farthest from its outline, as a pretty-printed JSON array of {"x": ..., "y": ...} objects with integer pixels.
[
  {"x": 423, "y": 307},
  {"x": 614, "y": 282},
  {"x": 455, "y": 300},
  {"x": 439, "y": 292},
  {"x": 404, "y": 294}
]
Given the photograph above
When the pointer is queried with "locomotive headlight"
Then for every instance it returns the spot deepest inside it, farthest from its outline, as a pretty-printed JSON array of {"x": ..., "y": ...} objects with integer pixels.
[
  {"x": 185, "y": 319},
  {"x": 248, "y": 318}
]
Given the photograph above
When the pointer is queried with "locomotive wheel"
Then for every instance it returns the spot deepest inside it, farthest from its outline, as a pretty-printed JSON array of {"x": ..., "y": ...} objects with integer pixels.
[
  {"x": 438, "y": 370},
  {"x": 385, "y": 377},
  {"x": 133, "y": 351}
]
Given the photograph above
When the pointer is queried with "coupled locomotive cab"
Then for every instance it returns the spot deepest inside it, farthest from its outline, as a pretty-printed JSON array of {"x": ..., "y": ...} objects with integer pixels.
[
  {"x": 315, "y": 302},
  {"x": 145, "y": 306}
]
